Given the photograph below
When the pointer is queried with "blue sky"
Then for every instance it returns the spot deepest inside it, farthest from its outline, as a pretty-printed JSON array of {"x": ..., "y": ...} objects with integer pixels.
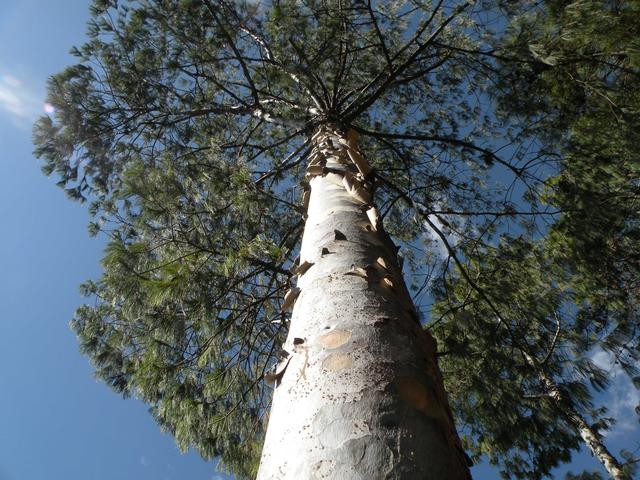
[{"x": 56, "y": 421}]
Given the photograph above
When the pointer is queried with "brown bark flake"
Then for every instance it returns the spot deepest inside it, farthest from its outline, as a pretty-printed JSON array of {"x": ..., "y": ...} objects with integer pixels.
[
  {"x": 337, "y": 361},
  {"x": 335, "y": 339},
  {"x": 423, "y": 399}
]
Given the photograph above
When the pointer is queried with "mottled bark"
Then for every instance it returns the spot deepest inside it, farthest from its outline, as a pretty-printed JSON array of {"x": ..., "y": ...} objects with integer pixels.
[{"x": 360, "y": 395}]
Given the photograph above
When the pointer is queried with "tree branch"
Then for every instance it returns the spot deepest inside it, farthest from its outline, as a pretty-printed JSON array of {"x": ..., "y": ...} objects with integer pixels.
[{"x": 353, "y": 110}]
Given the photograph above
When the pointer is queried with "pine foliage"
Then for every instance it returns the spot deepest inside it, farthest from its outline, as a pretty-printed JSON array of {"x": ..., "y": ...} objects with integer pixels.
[{"x": 502, "y": 135}]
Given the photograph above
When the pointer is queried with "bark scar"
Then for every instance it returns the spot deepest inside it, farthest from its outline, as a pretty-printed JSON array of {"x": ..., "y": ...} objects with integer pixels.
[{"x": 304, "y": 365}]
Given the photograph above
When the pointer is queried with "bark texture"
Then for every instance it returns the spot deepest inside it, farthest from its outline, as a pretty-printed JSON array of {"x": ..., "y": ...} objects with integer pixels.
[
  {"x": 590, "y": 437},
  {"x": 597, "y": 447},
  {"x": 360, "y": 395}
]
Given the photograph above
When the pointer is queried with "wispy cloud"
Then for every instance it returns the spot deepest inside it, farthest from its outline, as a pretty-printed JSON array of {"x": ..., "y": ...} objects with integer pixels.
[
  {"x": 20, "y": 101},
  {"x": 622, "y": 396},
  {"x": 435, "y": 242},
  {"x": 144, "y": 461}
]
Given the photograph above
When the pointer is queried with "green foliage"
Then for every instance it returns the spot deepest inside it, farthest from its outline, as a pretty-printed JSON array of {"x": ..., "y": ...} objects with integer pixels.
[
  {"x": 584, "y": 475},
  {"x": 591, "y": 89},
  {"x": 503, "y": 134},
  {"x": 579, "y": 81},
  {"x": 496, "y": 392},
  {"x": 176, "y": 324}
]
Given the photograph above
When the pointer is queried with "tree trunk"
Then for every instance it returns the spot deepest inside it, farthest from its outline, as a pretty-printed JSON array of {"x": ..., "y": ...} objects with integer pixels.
[
  {"x": 360, "y": 395},
  {"x": 590, "y": 437},
  {"x": 597, "y": 447}
]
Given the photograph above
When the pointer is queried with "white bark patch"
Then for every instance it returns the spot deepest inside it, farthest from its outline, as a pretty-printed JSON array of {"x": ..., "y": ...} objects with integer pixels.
[
  {"x": 323, "y": 469},
  {"x": 331, "y": 431}
]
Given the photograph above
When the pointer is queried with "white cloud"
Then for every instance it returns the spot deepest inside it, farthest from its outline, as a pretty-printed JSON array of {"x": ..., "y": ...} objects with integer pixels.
[
  {"x": 435, "y": 241},
  {"x": 20, "y": 101},
  {"x": 621, "y": 397},
  {"x": 144, "y": 461}
]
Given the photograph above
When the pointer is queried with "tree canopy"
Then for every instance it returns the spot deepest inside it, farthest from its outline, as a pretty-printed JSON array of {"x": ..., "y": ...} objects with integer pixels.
[{"x": 503, "y": 135}]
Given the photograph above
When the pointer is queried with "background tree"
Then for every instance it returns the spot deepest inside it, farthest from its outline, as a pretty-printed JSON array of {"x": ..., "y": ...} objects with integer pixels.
[
  {"x": 187, "y": 124},
  {"x": 579, "y": 70},
  {"x": 536, "y": 347}
]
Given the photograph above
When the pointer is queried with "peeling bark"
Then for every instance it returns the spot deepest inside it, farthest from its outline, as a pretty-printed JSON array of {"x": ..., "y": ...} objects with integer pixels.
[{"x": 362, "y": 397}]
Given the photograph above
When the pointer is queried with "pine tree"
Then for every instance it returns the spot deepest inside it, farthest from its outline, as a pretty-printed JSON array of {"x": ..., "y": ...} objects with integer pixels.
[
  {"x": 246, "y": 159},
  {"x": 575, "y": 290},
  {"x": 518, "y": 325}
]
